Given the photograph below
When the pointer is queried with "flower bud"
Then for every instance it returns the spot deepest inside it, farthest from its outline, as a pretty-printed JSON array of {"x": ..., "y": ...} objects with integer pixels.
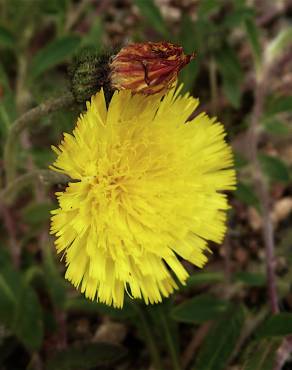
[
  {"x": 89, "y": 72},
  {"x": 148, "y": 67}
]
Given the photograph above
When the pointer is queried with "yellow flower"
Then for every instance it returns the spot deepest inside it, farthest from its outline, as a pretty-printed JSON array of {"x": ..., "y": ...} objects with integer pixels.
[{"x": 146, "y": 191}]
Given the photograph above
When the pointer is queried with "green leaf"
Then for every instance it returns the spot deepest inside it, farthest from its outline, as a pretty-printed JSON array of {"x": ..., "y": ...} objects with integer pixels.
[
  {"x": 4, "y": 80},
  {"x": 43, "y": 157},
  {"x": 7, "y": 112},
  {"x": 151, "y": 12},
  {"x": 239, "y": 160},
  {"x": 28, "y": 324},
  {"x": 205, "y": 277},
  {"x": 278, "y": 325},
  {"x": 37, "y": 213},
  {"x": 54, "y": 281},
  {"x": 279, "y": 105},
  {"x": 208, "y": 6},
  {"x": 7, "y": 103},
  {"x": 221, "y": 341},
  {"x": 86, "y": 356},
  {"x": 254, "y": 39},
  {"x": 20, "y": 309},
  {"x": 94, "y": 37},
  {"x": 188, "y": 76},
  {"x": 237, "y": 16},
  {"x": 279, "y": 44},
  {"x": 229, "y": 64},
  {"x": 54, "y": 53},
  {"x": 246, "y": 195},
  {"x": 232, "y": 92},
  {"x": 54, "y": 6},
  {"x": 274, "y": 168},
  {"x": 274, "y": 126},
  {"x": 186, "y": 37},
  {"x": 6, "y": 38},
  {"x": 166, "y": 328},
  {"x": 199, "y": 309},
  {"x": 189, "y": 73},
  {"x": 251, "y": 278},
  {"x": 260, "y": 355},
  {"x": 8, "y": 299},
  {"x": 231, "y": 71}
]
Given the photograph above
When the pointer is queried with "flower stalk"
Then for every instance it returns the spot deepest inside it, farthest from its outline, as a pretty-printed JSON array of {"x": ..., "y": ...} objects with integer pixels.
[
  {"x": 25, "y": 121},
  {"x": 10, "y": 192},
  {"x": 175, "y": 360},
  {"x": 148, "y": 337},
  {"x": 262, "y": 190}
]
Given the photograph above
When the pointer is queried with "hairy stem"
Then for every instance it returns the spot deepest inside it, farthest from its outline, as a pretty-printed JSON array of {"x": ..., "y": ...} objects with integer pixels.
[
  {"x": 175, "y": 360},
  {"x": 263, "y": 190},
  {"x": 194, "y": 343},
  {"x": 8, "y": 194},
  {"x": 25, "y": 121},
  {"x": 148, "y": 337}
]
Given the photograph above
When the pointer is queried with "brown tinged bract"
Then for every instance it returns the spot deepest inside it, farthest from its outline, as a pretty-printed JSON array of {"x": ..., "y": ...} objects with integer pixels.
[{"x": 148, "y": 67}]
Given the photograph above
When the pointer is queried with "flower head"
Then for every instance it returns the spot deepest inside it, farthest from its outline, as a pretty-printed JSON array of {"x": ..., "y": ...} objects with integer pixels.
[
  {"x": 146, "y": 191},
  {"x": 148, "y": 67}
]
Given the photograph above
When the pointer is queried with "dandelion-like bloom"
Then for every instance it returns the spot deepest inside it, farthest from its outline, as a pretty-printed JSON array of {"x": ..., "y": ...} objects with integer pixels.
[{"x": 146, "y": 191}]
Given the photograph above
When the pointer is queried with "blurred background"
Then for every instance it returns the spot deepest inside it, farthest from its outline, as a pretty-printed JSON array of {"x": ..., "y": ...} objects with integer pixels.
[{"x": 235, "y": 313}]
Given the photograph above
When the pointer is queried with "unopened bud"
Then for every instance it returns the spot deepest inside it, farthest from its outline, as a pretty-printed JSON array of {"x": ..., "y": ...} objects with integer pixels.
[
  {"x": 89, "y": 72},
  {"x": 148, "y": 67}
]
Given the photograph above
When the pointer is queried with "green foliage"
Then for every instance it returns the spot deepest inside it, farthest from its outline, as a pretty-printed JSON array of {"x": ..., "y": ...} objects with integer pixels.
[
  {"x": 274, "y": 168},
  {"x": 279, "y": 44},
  {"x": 6, "y": 38},
  {"x": 94, "y": 36},
  {"x": 278, "y": 325},
  {"x": 53, "y": 54},
  {"x": 221, "y": 341},
  {"x": 231, "y": 71},
  {"x": 205, "y": 277},
  {"x": 199, "y": 309},
  {"x": 7, "y": 103},
  {"x": 250, "y": 278},
  {"x": 246, "y": 194},
  {"x": 208, "y": 6},
  {"x": 20, "y": 309},
  {"x": 239, "y": 161},
  {"x": 279, "y": 105},
  {"x": 275, "y": 127},
  {"x": 260, "y": 355},
  {"x": 86, "y": 357},
  {"x": 187, "y": 36},
  {"x": 240, "y": 14},
  {"x": 254, "y": 39},
  {"x": 37, "y": 214},
  {"x": 54, "y": 281},
  {"x": 43, "y": 157},
  {"x": 152, "y": 14}
]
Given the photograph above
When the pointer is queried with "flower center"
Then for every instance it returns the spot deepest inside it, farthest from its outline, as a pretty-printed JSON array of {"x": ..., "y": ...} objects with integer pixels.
[{"x": 107, "y": 187}]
